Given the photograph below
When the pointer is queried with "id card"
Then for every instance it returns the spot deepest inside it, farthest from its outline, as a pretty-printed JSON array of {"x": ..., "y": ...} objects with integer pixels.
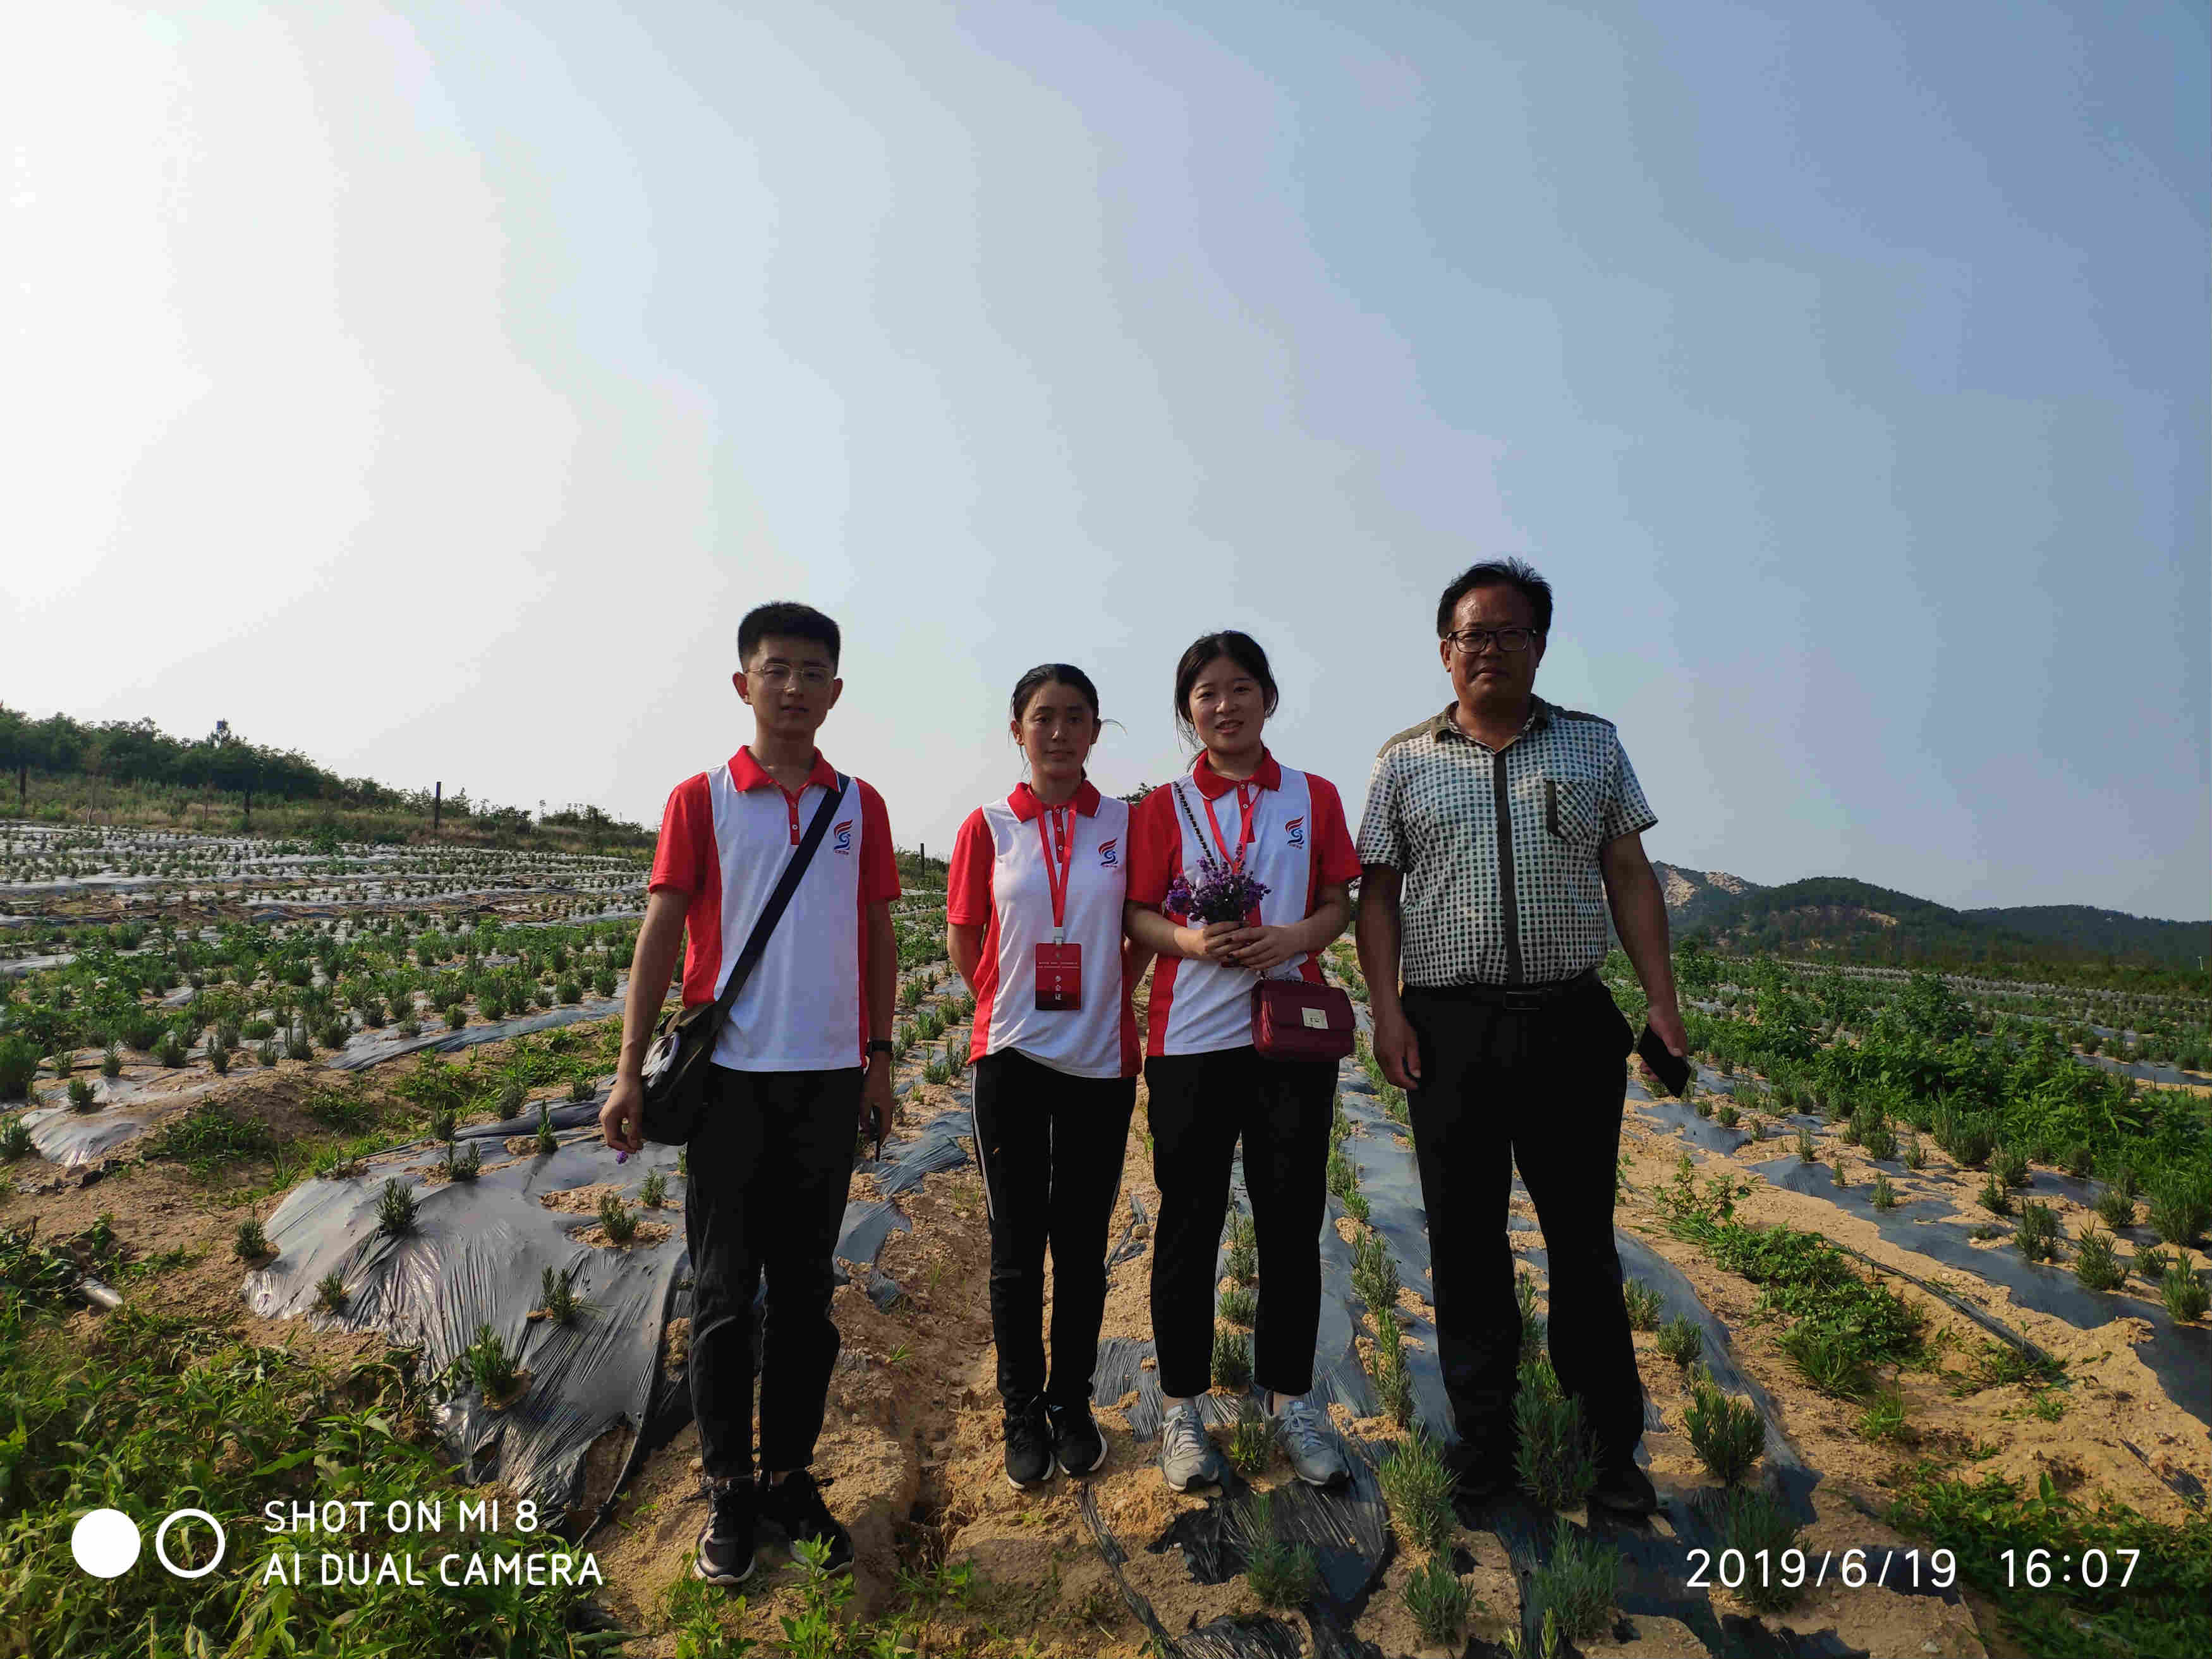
[{"x": 1059, "y": 978}]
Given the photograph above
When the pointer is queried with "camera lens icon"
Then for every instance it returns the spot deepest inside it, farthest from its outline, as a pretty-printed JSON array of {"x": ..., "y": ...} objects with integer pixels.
[{"x": 106, "y": 1543}]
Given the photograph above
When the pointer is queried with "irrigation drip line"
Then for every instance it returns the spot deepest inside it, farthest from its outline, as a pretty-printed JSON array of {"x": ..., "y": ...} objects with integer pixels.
[
  {"x": 2179, "y": 1356},
  {"x": 1957, "y": 1304}
]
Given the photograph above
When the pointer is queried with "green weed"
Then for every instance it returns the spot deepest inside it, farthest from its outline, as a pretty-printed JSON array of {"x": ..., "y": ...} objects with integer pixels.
[{"x": 1884, "y": 1417}]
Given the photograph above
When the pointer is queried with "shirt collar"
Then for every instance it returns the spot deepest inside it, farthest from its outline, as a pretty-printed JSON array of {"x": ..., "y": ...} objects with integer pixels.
[
  {"x": 1025, "y": 805},
  {"x": 1540, "y": 716},
  {"x": 1214, "y": 785},
  {"x": 747, "y": 773}
]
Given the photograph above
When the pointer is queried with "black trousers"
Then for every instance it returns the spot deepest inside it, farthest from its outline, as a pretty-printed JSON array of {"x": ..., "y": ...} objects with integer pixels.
[
  {"x": 1543, "y": 1089},
  {"x": 1199, "y": 1105},
  {"x": 1052, "y": 1147},
  {"x": 769, "y": 1171}
]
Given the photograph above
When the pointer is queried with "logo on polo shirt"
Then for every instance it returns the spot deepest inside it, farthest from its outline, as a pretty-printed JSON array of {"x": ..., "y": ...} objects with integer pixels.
[
  {"x": 1106, "y": 853},
  {"x": 1297, "y": 828},
  {"x": 843, "y": 832}
]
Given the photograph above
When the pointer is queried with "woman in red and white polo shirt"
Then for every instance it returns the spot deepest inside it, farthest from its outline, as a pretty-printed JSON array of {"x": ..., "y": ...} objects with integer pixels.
[
  {"x": 1207, "y": 1085},
  {"x": 1034, "y": 923}
]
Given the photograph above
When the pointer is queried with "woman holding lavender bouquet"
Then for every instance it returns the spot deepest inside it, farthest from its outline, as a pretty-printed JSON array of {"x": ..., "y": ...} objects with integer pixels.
[{"x": 1239, "y": 869}]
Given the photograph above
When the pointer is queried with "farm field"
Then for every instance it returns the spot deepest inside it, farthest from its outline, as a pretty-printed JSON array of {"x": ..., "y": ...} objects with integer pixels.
[{"x": 304, "y": 1202}]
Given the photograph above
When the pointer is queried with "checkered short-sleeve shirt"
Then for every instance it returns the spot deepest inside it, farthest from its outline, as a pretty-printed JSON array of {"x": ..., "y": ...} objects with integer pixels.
[{"x": 1497, "y": 849}]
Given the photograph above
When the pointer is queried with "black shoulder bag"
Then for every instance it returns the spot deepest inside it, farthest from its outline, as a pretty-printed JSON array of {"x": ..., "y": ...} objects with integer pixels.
[{"x": 675, "y": 1071}]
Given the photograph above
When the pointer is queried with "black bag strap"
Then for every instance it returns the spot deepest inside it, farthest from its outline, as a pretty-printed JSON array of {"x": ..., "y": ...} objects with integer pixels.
[
  {"x": 1191, "y": 818},
  {"x": 787, "y": 885}
]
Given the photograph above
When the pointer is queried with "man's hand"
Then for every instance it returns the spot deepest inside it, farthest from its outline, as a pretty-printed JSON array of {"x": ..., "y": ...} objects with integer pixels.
[
  {"x": 1667, "y": 1025},
  {"x": 1261, "y": 948},
  {"x": 621, "y": 1120},
  {"x": 1397, "y": 1048},
  {"x": 876, "y": 1107}
]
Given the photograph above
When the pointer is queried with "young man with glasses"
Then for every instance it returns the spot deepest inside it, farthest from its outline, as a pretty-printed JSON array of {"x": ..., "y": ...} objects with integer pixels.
[
  {"x": 1497, "y": 836},
  {"x": 804, "y": 1059}
]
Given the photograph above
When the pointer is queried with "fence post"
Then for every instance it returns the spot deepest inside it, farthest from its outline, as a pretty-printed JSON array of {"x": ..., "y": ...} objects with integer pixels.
[{"x": 437, "y": 806}]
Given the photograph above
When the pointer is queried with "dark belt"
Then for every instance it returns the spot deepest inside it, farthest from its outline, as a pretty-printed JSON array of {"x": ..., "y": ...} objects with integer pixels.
[{"x": 1515, "y": 999}]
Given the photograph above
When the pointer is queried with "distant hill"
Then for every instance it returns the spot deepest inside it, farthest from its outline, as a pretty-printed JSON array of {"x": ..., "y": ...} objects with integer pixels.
[
  {"x": 2107, "y": 933},
  {"x": 1857, "y": 921}
]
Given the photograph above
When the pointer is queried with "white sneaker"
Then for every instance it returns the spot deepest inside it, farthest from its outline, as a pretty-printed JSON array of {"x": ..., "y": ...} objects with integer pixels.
[
  {"x": 1307, "y": 1441},
  {"x": 1188, "y": 1458}
]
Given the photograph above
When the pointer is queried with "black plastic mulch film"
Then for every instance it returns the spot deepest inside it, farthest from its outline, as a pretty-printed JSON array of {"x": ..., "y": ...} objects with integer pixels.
[
  {"x": 476, "y": 1254},
  {"x": 1349, "y": 1529},
  {"x": 478, "y": 1250}
]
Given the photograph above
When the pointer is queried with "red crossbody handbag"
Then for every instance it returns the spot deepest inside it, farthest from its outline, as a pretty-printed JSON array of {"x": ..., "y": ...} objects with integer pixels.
[{"x": 1293, "y": 1019}]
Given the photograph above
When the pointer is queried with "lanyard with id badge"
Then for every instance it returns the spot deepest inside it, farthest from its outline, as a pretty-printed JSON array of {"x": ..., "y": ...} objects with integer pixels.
[{"x": 1059, "y": 964}]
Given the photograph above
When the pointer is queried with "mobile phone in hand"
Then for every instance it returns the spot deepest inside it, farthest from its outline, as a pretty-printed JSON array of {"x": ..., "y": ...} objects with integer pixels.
[{"x": 1673, "y": 1074}]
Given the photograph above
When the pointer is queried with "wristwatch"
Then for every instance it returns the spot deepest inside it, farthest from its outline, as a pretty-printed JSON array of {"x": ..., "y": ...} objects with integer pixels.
[{"x": 880, "y": 1046}]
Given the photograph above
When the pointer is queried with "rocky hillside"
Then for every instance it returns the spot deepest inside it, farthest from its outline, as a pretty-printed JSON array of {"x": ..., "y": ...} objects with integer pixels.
[{"x": 1694, "y": 894}]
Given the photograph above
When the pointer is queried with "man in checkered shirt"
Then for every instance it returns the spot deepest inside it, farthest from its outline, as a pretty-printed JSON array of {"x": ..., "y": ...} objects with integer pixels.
[{"x": 1497, "y": 836}]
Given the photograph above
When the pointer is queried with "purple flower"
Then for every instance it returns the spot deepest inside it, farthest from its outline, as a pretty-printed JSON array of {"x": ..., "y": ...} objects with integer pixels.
[
  {"x": 620, "y": 1155},
  {"x": 1221, "y": 893}
]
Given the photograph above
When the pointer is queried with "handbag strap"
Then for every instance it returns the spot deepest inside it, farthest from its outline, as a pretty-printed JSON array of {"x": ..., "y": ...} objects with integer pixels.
[
  {"x": 1266, "y": 976},
  {"x": 1197, "y": 834},
  {"x": 787, "y": 885}
]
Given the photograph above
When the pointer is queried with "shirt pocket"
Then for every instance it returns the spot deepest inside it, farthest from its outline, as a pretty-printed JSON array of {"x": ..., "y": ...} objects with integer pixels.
[{"x": 1570, "y": 811}]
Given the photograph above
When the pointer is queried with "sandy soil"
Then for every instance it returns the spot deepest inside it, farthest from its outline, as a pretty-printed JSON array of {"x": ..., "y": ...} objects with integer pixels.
[{"x": 911, "y": 1452}]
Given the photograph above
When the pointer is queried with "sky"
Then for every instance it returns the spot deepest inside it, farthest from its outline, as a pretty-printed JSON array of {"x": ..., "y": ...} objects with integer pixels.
[{"x": 431, "y": 389}]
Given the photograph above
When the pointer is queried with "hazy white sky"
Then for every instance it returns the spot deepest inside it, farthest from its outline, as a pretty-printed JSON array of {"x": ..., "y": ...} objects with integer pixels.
[{"x": 431, "y": 389}]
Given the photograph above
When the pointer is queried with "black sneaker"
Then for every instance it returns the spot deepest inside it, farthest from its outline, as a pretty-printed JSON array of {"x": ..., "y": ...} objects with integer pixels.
[
  {"x": 726, "y": 1542},
  {"x": 1077, "y": 1445},
  {"x": 1624, "y": 1489},
  {"x": 1477, "y": 1479},
  {"x": 1028, "y": 1445},
  {"x": 795, "y": 1504}
]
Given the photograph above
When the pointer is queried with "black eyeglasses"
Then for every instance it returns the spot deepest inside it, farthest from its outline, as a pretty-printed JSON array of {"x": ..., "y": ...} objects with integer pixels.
[{"x": 1474, "y": 641}]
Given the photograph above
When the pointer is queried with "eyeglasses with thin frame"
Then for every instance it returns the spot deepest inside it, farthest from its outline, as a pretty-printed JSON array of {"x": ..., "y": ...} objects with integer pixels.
[
  {"x": 776, "y": 671},
  {"x": 1473, "y": 641}
]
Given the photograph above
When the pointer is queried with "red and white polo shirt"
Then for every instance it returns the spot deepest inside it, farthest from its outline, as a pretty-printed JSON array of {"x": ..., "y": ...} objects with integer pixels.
[
  {"x": 999, "y": 881},
  {"x": 1299, "y": 845},
  {"x": 724, "y": 838}
]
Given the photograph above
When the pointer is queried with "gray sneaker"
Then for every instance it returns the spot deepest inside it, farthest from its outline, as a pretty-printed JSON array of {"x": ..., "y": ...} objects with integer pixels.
[
  {"x": 1188, "y": 1458},
  {"x": 1307, "y": 1441}
]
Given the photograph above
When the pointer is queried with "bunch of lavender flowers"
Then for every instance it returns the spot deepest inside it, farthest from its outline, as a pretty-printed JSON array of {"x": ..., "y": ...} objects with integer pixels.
[{"x": 1221, "y": 893}]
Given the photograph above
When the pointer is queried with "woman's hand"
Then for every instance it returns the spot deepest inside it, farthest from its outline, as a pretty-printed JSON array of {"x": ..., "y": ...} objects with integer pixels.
[
  {"x": 1261, "y": 948},
  {"x": 1211, "y": 943}
]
